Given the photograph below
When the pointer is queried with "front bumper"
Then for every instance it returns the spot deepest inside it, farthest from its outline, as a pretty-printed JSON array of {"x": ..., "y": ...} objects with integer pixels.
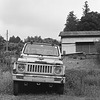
[{"x": 39, "y": 78}]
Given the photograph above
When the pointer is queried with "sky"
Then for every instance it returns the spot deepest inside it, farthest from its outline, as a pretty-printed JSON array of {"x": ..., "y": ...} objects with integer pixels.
[{"x": 45, "y": 18}]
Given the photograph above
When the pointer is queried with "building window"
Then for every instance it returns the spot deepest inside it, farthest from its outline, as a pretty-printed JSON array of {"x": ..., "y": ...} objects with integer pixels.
[{"x": 86, "y": 47}]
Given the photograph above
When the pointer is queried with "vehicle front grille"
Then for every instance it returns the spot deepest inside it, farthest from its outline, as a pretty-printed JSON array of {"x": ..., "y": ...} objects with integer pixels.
[{"x": 39, "y": 68}]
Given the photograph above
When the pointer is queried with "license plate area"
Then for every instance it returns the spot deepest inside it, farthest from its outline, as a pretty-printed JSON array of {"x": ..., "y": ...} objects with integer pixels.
[{"x": 20, "y": 77}]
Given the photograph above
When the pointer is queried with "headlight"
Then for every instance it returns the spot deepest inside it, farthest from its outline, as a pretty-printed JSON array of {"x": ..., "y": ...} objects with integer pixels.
[
  {"x": 21, "y": 67},
  {"x": 57, "y": 70}
]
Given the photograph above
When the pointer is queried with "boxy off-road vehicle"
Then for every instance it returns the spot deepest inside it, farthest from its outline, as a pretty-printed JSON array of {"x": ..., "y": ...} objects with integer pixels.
[{"x": 39, "y": 64}]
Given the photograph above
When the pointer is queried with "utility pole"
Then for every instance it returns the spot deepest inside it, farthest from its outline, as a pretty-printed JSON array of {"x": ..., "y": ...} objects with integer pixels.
[{"x": 7, "y": 41}]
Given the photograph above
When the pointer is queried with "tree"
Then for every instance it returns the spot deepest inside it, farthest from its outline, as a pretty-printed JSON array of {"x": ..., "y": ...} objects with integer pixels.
[
  {"x": 71, "y": 22},
  {"x": 28, "y": 39},
  {"x": 89, "y": 22},
  {"x": 14, "y": 39},
  {"x": 38, "y": 39},
  {"x": 1, "y": 39},
  {"x": 17, "y": 40},
  {"x": 86, "y": 8},
  {"x": 1, "y": 42},
  {"x": 34, "y": 39},
  {"x": 51, "y": 41}
]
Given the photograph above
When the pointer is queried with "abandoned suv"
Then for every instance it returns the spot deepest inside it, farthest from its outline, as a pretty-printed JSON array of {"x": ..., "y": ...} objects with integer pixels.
[{"x": 39, "y": 64}]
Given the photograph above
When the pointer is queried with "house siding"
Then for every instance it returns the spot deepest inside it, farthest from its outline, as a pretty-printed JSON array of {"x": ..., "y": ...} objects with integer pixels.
[
  {"x": 79, "y": 41},
  {"x": 68, "y": 48}
]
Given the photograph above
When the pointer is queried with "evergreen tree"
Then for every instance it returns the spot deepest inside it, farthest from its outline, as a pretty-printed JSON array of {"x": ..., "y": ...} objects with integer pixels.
[
  {"x": 14, "y": 39},
  {"x": 86, "y": 8},
  {"x": 89, "y": 22},
  {"x": 71, "y": 22},
  {"x": 17, "y": 40},
  {"x": 2, "y": 42}
]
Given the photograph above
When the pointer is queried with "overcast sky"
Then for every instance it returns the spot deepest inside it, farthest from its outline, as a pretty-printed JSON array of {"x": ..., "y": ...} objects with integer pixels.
[{"x": 45, "y": 18}]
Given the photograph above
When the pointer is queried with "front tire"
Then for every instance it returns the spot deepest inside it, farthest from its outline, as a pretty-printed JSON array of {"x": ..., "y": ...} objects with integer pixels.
[{"x": 15, "y": 88}]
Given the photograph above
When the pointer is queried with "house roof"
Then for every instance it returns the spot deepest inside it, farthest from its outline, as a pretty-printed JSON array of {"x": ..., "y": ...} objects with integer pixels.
[{"x": 80, "y": 34}]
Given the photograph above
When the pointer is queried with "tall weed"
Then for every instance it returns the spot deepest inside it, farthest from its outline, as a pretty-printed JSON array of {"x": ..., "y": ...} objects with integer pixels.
[{"x": 82, "y": 82}]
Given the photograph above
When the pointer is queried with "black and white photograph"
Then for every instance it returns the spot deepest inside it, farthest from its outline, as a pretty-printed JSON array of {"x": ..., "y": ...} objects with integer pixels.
[{"x": 49, "y": 50}]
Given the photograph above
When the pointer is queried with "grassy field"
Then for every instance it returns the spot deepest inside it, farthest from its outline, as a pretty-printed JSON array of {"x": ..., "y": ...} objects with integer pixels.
[
  {"x": 82, "y": 76},
  {"x": 82, "y": 82}
]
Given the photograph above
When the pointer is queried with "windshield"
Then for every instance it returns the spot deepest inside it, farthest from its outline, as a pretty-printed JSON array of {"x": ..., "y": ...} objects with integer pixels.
[{"x": 46, "y": 50}]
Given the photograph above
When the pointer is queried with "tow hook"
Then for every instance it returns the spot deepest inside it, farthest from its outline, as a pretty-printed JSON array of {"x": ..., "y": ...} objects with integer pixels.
[
  {"x": 26, "y": 83},
  {"x": 38, "y": 83},
  {"x": 51, "y": 85}
]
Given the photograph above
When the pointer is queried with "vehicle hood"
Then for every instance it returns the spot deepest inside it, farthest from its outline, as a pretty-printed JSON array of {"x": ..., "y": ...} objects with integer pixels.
[{"x": 39, "y": 60}]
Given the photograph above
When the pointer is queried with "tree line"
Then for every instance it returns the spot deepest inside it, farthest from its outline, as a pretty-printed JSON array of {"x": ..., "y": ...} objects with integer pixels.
[
  {"x": 15, "y": 44},
  {"x": 90, "y": 20}
]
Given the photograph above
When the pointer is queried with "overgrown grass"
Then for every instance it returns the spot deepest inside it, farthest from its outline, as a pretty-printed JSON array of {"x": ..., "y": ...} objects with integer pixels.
[
  {"x": 6, "y": 65},
  {"x": 79, "y": 82},
  {"x": 82, "y": 82},
  {"x": 6, "y": 84}
]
